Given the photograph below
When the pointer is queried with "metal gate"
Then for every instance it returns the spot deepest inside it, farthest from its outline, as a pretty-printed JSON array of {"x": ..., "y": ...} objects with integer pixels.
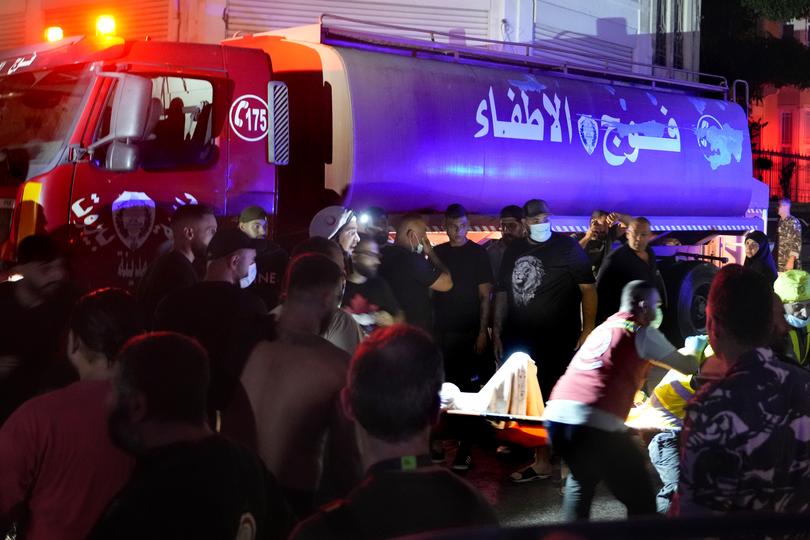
[{"x": 778, "y": 168}]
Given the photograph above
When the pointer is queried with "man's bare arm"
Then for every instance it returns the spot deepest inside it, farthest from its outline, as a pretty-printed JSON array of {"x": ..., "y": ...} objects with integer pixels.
[
  {"x": 484, "y": 295},
  {"x": 684, "y": 363}
]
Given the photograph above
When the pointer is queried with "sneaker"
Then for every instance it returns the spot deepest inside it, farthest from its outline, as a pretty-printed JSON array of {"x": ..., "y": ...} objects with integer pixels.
[
  {"x": 462, "y": 462},
  {"x": 527, "y": 475},
  {"x": 437, "y": 455}
]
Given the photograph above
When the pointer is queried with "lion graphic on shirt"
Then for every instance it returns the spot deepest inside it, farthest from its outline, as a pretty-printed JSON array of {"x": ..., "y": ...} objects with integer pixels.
[{"x": 527, "y": 277}]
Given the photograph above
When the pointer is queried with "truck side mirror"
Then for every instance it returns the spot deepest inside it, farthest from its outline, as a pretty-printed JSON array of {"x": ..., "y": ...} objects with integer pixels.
[
  {"x": 121, "y": 157},
  {"x": 130, "y": 109}
]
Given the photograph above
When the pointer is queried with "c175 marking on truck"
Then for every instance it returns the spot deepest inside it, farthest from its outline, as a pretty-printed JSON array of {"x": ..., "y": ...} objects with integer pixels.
[{"x": 248, "y": 117}]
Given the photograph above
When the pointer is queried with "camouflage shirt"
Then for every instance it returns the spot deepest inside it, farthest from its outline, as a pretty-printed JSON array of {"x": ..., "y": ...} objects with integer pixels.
[
  {"x": 746, "y": 440},
  {"x": 789, "y": 243}
]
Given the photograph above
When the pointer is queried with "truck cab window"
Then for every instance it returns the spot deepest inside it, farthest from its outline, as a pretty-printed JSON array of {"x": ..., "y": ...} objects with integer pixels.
[{"x": 180, "y": 125}]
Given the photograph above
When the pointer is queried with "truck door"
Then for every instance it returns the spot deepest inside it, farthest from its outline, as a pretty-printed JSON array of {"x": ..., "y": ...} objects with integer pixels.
[{"x": 120, "y": 219}]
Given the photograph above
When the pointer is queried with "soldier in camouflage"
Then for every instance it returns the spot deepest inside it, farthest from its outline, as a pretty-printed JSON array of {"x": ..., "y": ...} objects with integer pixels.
[{"x": 789, "y": 239}]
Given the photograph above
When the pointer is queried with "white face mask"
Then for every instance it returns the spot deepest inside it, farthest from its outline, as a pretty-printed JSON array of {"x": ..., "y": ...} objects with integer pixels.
[
  {"x": 246, "y": 281},
  {"x": 419, "y": 247},
  {"x": 540, "y": 232}
]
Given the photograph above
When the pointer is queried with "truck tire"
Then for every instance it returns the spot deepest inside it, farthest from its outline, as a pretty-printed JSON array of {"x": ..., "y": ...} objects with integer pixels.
[{"x": 687, "y": 286}]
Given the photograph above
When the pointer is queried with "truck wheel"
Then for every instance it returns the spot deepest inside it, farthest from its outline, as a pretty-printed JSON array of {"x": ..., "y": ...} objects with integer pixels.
[{"x": 687, "y": 285}]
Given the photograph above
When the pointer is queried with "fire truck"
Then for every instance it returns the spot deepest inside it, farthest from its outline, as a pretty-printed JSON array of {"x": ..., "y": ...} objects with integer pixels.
[{"x": 101, "y": 139}]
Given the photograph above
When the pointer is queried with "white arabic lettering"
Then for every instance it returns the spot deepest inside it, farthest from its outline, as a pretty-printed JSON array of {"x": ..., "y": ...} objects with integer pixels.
[
  {"x": 622, "y": 142},
  {"x": 554, "y": 111},
  {"x": 21, "y": 62},
  {"x": 531, "y": 130}
]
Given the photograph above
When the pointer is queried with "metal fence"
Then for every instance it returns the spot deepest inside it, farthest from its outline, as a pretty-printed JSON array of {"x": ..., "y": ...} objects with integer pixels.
[{"x": 775, "y": 168}]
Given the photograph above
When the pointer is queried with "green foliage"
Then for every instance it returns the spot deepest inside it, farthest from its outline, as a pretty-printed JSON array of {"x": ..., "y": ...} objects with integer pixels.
[
  {"x": 778, "y": 10},
  {"x": 732, "y": 46}
]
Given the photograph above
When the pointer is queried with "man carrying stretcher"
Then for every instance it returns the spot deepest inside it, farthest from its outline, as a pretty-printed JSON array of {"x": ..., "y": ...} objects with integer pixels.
[{"x": 586, "y": 412}]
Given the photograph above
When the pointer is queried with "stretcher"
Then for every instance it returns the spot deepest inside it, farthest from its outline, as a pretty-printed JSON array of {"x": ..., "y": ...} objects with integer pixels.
[{"x": 511, "y": 400}]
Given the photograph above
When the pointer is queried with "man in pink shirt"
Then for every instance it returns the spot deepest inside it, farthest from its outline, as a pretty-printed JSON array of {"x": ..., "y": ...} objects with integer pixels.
[{"x": 58, "y": 467}]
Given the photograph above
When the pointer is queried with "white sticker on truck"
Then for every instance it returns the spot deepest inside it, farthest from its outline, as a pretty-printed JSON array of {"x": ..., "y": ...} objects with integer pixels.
[{"x": 248, "y": 117}]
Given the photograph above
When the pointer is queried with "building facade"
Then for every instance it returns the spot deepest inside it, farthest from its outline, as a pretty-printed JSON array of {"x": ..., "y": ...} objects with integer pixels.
[
  {"x": 781, "y": 143},
  {"x": 611, "y": 34}
]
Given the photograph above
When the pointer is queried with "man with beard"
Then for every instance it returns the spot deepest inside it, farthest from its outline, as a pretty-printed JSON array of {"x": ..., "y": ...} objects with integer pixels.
[
  {"x": 188, "y": 481},
  {"x": 270, "y": 262},
  {"x": 602, "y": 233},
  {"x": 368, "y": 297},
  {"x": 293, "y": 385},
  {"x": 545, "y": 303},
  {"x": 193, "y": 227},
  {"x": 223, "y": 317},
  {"x": 35, "y": 309},
  {"x": 511, "y": 225}
]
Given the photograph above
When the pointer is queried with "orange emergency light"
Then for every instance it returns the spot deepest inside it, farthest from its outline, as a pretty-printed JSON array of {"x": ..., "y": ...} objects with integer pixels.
[
  {"x": 54, "y": 33},
  {"x": 105, "y": 25}
]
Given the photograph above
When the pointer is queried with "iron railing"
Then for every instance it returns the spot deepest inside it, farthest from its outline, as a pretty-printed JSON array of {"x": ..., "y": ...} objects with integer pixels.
[{"x": 774, "y": 168}]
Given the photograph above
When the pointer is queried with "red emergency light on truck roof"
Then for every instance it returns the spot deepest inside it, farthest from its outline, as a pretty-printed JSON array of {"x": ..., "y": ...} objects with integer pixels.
[{"x": 117, "y": 137}]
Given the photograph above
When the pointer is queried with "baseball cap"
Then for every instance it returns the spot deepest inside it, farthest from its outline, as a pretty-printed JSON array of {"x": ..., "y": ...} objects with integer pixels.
[
  {"x": 512, "y": 211},
  {"x": 535, "y": 207},
  {"x": 226, "y": 241},
  {"x": 329, "y": 221},
  {"x": 252, "y": 212}
]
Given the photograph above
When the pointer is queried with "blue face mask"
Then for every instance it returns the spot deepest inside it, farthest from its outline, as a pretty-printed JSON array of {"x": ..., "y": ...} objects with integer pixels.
[
  {"x": 540, "y": 232},
  {"x": 796, "y": 322}
]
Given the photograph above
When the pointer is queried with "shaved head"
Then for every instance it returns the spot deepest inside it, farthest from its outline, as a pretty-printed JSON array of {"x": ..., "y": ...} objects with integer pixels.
[{"x": 412, "y": 222}]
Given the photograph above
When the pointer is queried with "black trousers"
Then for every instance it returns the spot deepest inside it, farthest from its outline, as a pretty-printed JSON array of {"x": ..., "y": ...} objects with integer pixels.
[
  {"x": 462, "y": 365},
  {"x": 594, "y": 455},
  {"x": 551, "y": 355}
]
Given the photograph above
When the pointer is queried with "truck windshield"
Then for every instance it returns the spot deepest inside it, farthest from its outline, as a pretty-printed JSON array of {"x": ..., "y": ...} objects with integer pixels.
[{"x": 37, "y": 110}]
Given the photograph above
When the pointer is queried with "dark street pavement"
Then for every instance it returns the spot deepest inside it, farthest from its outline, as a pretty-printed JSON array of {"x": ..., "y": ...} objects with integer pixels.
[{"x": 532, "y": 503}]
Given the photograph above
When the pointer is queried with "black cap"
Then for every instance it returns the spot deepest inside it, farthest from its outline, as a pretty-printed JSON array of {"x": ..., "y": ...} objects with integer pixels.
[
  {"x": 226, "y": 241},
  {"x": 252, "y": 213},
  {"x": 535, "y": 207},
  {"x": 512, "y": 211}
]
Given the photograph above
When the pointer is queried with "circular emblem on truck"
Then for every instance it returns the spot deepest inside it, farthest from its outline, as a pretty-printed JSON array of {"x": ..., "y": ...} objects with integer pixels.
[{"x": 248, "y": 117}]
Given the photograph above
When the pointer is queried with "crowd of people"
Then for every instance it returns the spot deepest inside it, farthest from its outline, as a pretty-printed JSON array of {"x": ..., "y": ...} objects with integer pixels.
[{"x": 241, "y": 392}]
